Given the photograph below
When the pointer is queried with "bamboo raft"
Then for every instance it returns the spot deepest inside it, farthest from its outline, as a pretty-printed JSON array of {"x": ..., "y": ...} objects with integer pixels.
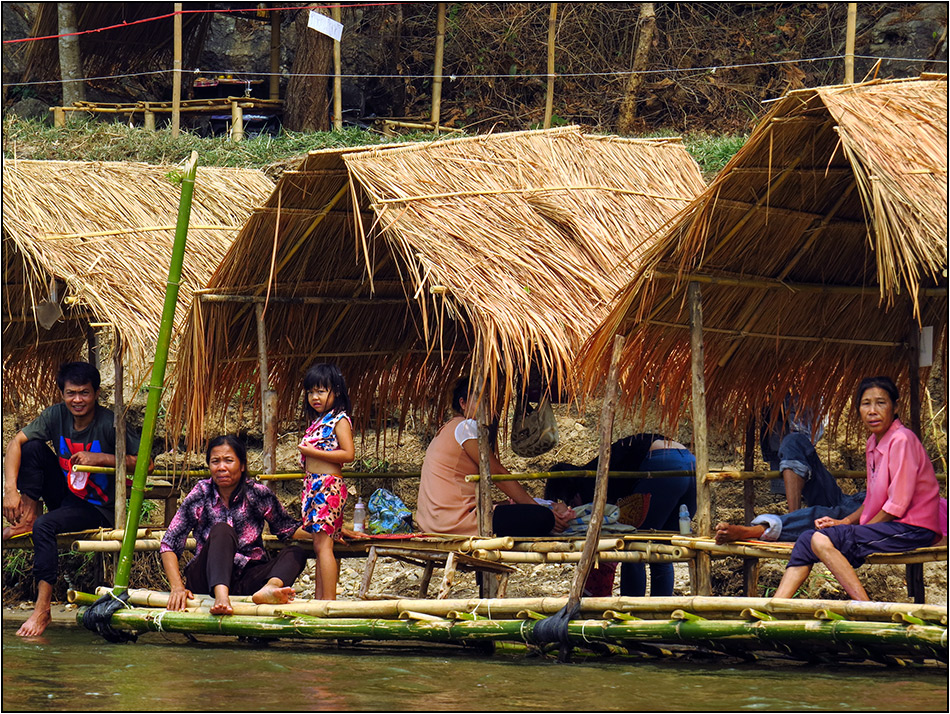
[{"x": 800, "y": 629}]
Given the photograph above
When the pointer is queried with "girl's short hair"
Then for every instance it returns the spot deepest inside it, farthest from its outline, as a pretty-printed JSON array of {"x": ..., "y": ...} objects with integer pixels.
[
  {"x": 240, "y": 450},
  {"x": 885, "y": 383},
  {"x": 325, "y": 374}
]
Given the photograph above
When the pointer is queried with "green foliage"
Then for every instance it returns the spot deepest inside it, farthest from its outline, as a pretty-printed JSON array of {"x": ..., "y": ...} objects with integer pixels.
[
  {"x": 370, "y": 464},
  {"x": 712, "y": 152},
  {"x": 89, "y": 139}
]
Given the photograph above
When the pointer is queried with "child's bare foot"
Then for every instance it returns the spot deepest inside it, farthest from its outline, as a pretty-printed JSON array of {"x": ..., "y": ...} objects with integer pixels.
[
  {"x": 729, "y": 533},
  {"x": 36, "y": 624},
  {"x": 273, "y": 593},
  {"x": 222, "y": 605}
]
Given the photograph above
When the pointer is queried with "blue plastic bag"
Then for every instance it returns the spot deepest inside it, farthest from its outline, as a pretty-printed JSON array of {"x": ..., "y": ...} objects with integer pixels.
[{"x": 387, "y": 514}]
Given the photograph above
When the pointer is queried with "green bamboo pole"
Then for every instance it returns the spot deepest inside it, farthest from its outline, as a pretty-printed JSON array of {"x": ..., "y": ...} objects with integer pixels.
[
  {"x": 799, "y": 636},
  {"x": 653, "y": 607},
  {"x": 158, "y": 377}
]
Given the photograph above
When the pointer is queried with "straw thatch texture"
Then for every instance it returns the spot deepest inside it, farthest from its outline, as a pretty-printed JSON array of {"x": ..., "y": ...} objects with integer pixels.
[
  {"x": 517, "y": 264},
  {"x": 839, "y": 187},
  {"x": 104, "y": 233}
]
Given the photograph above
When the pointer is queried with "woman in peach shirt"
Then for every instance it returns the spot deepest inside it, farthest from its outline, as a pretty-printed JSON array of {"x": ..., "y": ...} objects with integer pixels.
[
  {"x": 447, "y": 502},
  {"x": 900, "y": 511}
]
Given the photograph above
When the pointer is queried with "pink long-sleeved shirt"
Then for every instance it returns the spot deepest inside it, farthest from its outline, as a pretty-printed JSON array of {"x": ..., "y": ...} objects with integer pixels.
[{"x": 901, "y": 479}]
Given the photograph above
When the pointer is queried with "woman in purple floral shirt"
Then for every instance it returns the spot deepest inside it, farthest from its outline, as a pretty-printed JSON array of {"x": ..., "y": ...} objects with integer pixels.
[{"x": 227, "y": 513}]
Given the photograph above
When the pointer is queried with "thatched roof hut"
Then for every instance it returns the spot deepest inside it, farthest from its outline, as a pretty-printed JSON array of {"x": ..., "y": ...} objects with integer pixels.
[
  {"x": 488, "y": 252},
  {"x": 821, "y": 248},
  {"x": 100, "y": 236}
]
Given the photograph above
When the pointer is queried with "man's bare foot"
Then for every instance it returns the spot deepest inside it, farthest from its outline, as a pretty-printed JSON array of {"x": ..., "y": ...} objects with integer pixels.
[
  {"x": 273, "y": 594},
  {"x": 729, "y": 533},
  {"x": 222, "y": 606},
  {"x": 36, "y": 624}
]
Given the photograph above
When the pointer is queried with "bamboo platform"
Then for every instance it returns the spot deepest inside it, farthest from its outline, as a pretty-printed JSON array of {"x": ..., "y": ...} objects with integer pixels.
[{"x": 811, "y": 630}]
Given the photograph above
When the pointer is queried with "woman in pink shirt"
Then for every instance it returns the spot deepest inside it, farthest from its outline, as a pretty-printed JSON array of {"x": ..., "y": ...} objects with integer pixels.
[{"x": 900, "y": 511}]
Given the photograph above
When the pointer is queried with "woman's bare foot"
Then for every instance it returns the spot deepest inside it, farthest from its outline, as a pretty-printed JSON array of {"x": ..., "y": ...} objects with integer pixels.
[
  {"x": 222, "y": 601},
  {"x": 273, "y": 593},
  {"x": 729, "y": 533},
  {"x": 36, "y": 624}
]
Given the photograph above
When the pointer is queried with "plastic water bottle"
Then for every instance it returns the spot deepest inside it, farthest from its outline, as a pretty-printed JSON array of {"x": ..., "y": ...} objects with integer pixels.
[
  {"x": 685, "y": 528},
  {"x": 359, "y": 516}
]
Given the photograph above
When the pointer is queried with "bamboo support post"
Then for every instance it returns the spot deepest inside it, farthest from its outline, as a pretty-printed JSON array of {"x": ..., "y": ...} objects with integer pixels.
[
  {"x": 488, "y": 584},
  {"x": 367, "y": 573},
  {"x": 437, "y": 69},
  {"x": 237, "y": 122},
  {"x": 592, "y": 539},
  {"x": 448, "y": 577},
  {"x": 750, "y": 566},
  {"x": 703, "y": 584},
  {"x": 914, "y": 572},
  {"x": 119, "y": 422},
  {"x": 274, "y": 93},
  {"x": 849, "y": 43},
  {"x": 156, "y": 383},
  {"x": 549, "y": 96},
  {"x": 59, "y": 117},
  {"x": 176, "y": 72},
  {"x": 336, "y": 14},
  {"x": 268, "y": 397},
  {"x": 426, "y": 579},
  {"x": 148, "y": 119}
]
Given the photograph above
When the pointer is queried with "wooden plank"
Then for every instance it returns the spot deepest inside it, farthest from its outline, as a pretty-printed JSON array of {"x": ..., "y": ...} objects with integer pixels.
[{"x": 703, "y": 491}]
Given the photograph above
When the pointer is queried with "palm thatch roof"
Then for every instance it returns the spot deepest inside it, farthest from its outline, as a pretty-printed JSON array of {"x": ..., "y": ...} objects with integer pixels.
[
  {"x": 100, "y": 235},
  {"x": 486, "y": 253},
  {"x": 821, "y": 248}
]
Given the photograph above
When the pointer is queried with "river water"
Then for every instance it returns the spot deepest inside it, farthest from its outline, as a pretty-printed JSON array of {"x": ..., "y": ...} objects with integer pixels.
[{"x": 72, "y": 669}]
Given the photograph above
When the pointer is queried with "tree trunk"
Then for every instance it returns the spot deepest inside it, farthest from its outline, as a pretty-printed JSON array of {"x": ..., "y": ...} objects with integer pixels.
[
  {"x": 70, "y": 64},
  {"x": 306, "y": 107},
  {"x": 627, "y": 121}
]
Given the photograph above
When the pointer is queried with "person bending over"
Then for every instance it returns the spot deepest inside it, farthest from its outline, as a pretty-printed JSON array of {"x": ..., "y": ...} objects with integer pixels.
[
  {"x": 900, "y": 511},
  {"x": 81, "y": 433},
  {"x": 227, "y": 513}
]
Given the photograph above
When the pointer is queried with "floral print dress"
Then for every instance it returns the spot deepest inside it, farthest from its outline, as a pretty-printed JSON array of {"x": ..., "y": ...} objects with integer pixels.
[{"x": 323, "y": 495}]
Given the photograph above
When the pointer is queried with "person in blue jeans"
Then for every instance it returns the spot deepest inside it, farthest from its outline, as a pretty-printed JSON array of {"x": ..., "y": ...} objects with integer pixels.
[
  {"x": 806, "y": 478},
  {"x": 639, "y": 452}
]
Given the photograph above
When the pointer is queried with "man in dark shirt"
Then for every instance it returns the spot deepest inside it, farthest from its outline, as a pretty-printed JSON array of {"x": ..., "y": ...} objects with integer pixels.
[{"x": 80, "y": 432}]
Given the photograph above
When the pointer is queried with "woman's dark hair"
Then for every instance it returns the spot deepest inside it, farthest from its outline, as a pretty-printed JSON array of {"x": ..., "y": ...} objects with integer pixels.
[
  {"x": 79, "y": 373},
  {"x": 229, "y": 440},
  {"x": 326, "y": 375},
  {"x": 885, "y": 383},
  {"x": 459, "y": 393}
]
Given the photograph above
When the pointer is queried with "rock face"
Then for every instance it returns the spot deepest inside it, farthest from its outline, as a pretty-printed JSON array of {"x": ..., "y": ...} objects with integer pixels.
[{"x": 911, "y": 34}]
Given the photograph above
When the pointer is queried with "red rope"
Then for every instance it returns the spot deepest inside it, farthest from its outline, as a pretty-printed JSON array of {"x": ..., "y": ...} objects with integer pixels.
[{"x": 186, "y": 12}]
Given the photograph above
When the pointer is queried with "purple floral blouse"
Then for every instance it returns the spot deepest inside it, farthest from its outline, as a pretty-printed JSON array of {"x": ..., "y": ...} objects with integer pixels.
[{"x": 252, "y": 504}]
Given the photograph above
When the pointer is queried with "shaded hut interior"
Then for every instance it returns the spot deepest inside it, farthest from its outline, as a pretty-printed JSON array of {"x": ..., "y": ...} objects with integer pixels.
[
  {"x": 92, "y": 241},
  {"x": 407, "y": 266},
  {"x": 820, "y": 251}
]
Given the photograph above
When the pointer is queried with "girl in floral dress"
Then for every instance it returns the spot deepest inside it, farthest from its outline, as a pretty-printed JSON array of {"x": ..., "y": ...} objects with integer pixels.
[{"x": 325, "y": 447}]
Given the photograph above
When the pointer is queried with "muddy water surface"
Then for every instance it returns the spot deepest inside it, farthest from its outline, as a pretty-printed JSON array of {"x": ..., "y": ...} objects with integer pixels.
[{"x": 72, "y": 669}]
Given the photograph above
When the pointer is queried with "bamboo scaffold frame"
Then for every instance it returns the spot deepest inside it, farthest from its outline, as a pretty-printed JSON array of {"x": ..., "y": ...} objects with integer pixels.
[{"x": 802, "y": 628}]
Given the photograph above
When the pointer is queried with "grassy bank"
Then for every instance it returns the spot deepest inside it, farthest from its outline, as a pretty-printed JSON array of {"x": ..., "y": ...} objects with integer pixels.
[{"x": 86, "y": 139}]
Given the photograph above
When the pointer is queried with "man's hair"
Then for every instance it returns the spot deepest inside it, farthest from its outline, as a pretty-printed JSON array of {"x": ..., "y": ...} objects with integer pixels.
[{"x": 78, "y": 373}]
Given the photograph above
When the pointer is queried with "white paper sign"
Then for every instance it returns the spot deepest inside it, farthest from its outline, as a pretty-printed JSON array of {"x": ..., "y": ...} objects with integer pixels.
[
  {"x": 926, "y": 347},
  {"x": 325, "y": 25}
]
